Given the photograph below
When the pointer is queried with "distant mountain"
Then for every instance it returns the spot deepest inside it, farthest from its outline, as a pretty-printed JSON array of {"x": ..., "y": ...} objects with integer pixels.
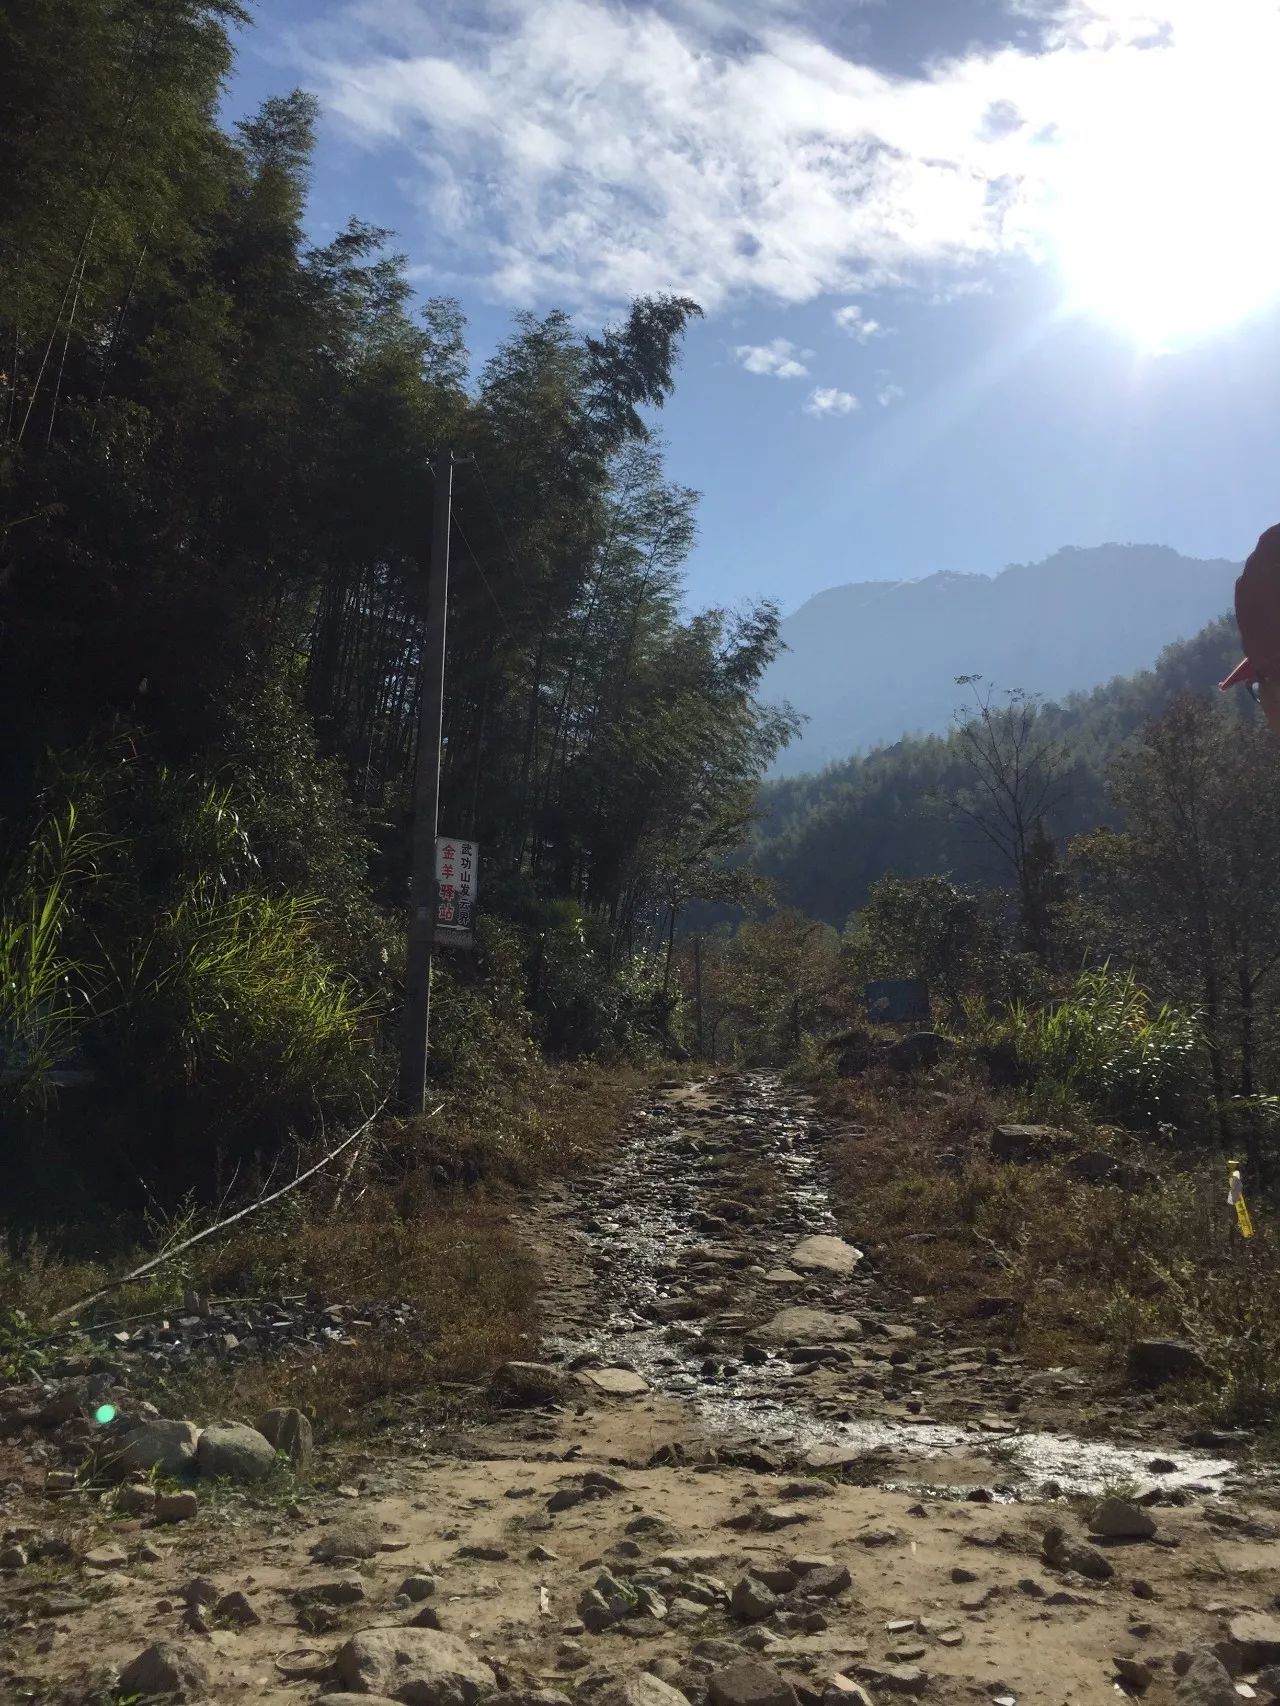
[{"x": 877, "y": 660}]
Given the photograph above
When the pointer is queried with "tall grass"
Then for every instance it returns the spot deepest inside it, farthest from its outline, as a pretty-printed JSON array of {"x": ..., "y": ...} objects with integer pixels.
[{"x": 1108, "y": 1046}]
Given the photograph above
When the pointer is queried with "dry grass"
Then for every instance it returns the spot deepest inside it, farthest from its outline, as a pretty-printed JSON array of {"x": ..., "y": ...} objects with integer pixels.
[
  {"x": 1091, "y": 1267},
  {"x": 425, "y": 1221}
]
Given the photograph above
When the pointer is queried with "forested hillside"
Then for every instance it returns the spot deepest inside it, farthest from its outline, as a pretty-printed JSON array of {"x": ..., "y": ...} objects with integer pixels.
[
  {"x": 215, "y": 502},
  {"x": 826, "y": 839},
  {"x": 868, "y": 663}
]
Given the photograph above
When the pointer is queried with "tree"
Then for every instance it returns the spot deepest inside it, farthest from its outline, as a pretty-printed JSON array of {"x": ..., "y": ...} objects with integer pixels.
[
  {"x": 1189, "y": 891},
  {"x": 928, "y": 927},
  {"x": 1018, "y": 776}
]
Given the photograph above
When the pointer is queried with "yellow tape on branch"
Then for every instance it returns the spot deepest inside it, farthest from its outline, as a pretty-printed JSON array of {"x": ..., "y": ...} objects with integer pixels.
[{"x": 1235, "y": 1199}]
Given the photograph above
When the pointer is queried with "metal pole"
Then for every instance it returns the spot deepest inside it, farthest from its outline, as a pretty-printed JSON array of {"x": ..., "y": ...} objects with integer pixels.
[{"x": 426, "y": 804}]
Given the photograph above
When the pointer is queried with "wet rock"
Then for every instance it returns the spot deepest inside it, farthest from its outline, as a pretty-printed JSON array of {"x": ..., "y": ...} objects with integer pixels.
[
  {"x": 287, "y": 1430},
  {"x": 167, "y": 1446},
  {"x": 233, "y": 1451},
  {"x": 748, "y": 1682},
  {"x": 176, "y": 1507},
  {"x": 420, "y": 1667},
  {"x": 1117, "y": 1519},
  {"x": 165, "y": 1671},
  {"x": 751, "y": 1600},
  {"x": 1076, "y": 1555},
  {"x": 1205, "y": 1682},
  {"x": 822, "y": 1254},
  {"x": 524, "y": 1385},
  {"x": 1152, "y": 1362},
  {"x": 805, "y": 1326},
  {"x": 1257, "y": 1634}
]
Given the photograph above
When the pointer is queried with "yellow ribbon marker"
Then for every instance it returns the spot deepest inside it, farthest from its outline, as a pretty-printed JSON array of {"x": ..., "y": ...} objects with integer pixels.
[{"x": 1235, "y": 1199}]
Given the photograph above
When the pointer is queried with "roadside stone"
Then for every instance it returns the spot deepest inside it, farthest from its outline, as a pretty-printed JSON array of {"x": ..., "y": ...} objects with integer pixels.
[
  {"x": 642, "y": 1689},
  {"x": 1067, "y": 1554},
  {"x": 526, "y": 1385},
  {"x": 919, "y": 1051},
  {"x": 357, "y": 1537},
  {"x": 1117, "y": 1519},
  {"x": 804, "y": 1326},
  {"x": 106, "y": 1558},
  {"x": 960, "y": 1574},
  {"x": 826, "y": 1255},
  {"x": 234, "y": 1451},
  {"x": 167, "y": 1446},
  {"x": 1205, "y": 1682},
  {"x": 823, "y": 1582},
  {"x": 878, "y": 1537},
  {"x": 420, "y": 1667},
  {"x": 844, "y": 1691},
  {"x": 895, "y": 1679},
  {"x": 1257, "y": 1634},
  {"x": 135, "y": 1500},
  {"x": 234, "y": 1607},
  {"x": 177, "y": 1507},
  {"x": 1152, "y": 1362},
  {"x": 748, "y": 1682},
  {"x": 615, "y": 1382},
  {"x": 1134, "y": 1672},
  {"x": 346, "y": 1590},
  {"x": 1019, "y": 1143},
  {"x": 287, "y": 1430},
  {"x": 751, "y": 1600},
  {"x": 418, "y": 1586},
  {"x": 167, "y": 1671}
]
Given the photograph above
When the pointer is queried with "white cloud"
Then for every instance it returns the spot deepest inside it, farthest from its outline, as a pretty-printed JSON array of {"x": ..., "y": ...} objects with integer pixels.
[
  {"x": 581, "y": 151},
  {"x": 827, "y": 400},
  {"x": 851, "y": 319},
  {"x": 888, "y": 394},
  {"x": 780, "y": 358}
]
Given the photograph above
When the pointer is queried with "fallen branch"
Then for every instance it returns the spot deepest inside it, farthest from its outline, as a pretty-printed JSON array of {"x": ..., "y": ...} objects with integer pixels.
[{"x": 218, "y": 1226}]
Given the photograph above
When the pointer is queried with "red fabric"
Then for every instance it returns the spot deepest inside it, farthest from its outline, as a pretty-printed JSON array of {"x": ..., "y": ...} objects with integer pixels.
[{"x": 1258, "y": 613}]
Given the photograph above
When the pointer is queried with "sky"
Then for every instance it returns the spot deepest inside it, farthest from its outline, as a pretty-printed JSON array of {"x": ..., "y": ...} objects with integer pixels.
[{"x": 981, "y": 278}]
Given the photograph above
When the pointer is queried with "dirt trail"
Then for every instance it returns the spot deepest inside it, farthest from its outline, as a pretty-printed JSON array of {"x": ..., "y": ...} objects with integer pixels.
[{"x": 726, "y": 1472}]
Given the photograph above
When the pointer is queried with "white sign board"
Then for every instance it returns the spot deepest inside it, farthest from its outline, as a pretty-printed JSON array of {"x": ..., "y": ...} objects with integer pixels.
[{"x": 457, "y": 879}]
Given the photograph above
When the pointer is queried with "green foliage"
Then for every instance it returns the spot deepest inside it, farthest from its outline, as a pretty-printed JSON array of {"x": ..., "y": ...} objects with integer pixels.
[
  {"x": 930, "y": 928},
  {"x": 22, "y": 1358},
  {"x": 1106, "y": 1045}
]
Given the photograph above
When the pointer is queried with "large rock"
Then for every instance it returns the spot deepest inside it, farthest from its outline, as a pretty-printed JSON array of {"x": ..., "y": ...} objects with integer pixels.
[
  {"x": 1100, "y": 1167},
  {"x": 1117, "y": 1519},
  {"x": 164, "y": 1672},
  {"x": 1257, "y": 1634},
  {"x": 802, "y": 1326},
  {"x": 1206, "y": 1682},
  {"x": 1025, "y": 1142},
  {"x": 639, "y": 1690},
  {"x": 354, "y": 1537},
  {"x": 749, "y": 1683},
  {"x": 233, "y": 1451},
  {"x": 615, "y": 1382},
  {"x": 288, "y": 1430},
  {"x": 1067, "y": 1554},
  {"x": 1152, "y": 1362},
  {"x": 751, "y": 1600},
  {"x": 825, "y": 1255},
  {"x": 420, "y": 1667},
  {"x": 920, "y": 1050},
  {"x": 522, "y": 1385},
  {"x": 169, "y": 1447}
]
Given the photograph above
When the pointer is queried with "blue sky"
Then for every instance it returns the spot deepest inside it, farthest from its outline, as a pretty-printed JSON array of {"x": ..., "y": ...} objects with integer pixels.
[{"x": 982, "y": 277}]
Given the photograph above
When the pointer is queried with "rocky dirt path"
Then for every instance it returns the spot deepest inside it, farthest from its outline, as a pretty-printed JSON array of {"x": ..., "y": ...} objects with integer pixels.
[{"x": 666, "y": 1514}]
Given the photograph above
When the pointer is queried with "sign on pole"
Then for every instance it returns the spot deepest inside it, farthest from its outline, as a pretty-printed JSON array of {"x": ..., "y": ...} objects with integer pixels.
[{"x": 457, "y": 879}]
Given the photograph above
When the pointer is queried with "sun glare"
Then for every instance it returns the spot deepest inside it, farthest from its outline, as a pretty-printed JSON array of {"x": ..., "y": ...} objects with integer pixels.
[{"x": 1164, "y": 224}]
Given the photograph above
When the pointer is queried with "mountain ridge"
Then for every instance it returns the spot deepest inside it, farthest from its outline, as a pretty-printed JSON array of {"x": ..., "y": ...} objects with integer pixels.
[{"x": 873, "y": 661}]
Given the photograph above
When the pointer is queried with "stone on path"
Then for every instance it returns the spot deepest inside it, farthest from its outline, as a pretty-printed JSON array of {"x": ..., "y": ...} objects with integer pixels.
[
  {"x": 1257, "y": 1634},
  {"x": 1025, "y": 1142},
  {"x": 615, "y": 1382},
  {"x": 804, "y": 1326},
  {"x": 166, "y": 1671},
  {"x": 751, "y": 1600},
  {"x": 826, "y": 1255},
  {"x": 1117, "y": 1519},
  {"x": 420, "y": 1667},
  {"x": 177, "y": 1507},
  {"x": 357, "y": 1537},
  {"x": 524, "y": 1385},
  {"x": 1067, "y": 1554},
  {"x": 642, "y": 1689},
  {"x": 286, "y": 1429},
  {"x": 165, "y": 1445},
  {"x": 235, "y": 1452},
  {"x": 749, "y": 1683},
  {"x": 1206, "y": 1682}
]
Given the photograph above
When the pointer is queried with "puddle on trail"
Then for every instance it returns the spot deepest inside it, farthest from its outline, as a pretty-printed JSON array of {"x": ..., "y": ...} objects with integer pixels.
[{"x": 656, "y": 1220}]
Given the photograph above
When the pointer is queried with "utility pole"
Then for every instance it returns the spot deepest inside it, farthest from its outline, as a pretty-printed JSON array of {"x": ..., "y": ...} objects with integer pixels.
[{"x": 426, "y": 804}]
